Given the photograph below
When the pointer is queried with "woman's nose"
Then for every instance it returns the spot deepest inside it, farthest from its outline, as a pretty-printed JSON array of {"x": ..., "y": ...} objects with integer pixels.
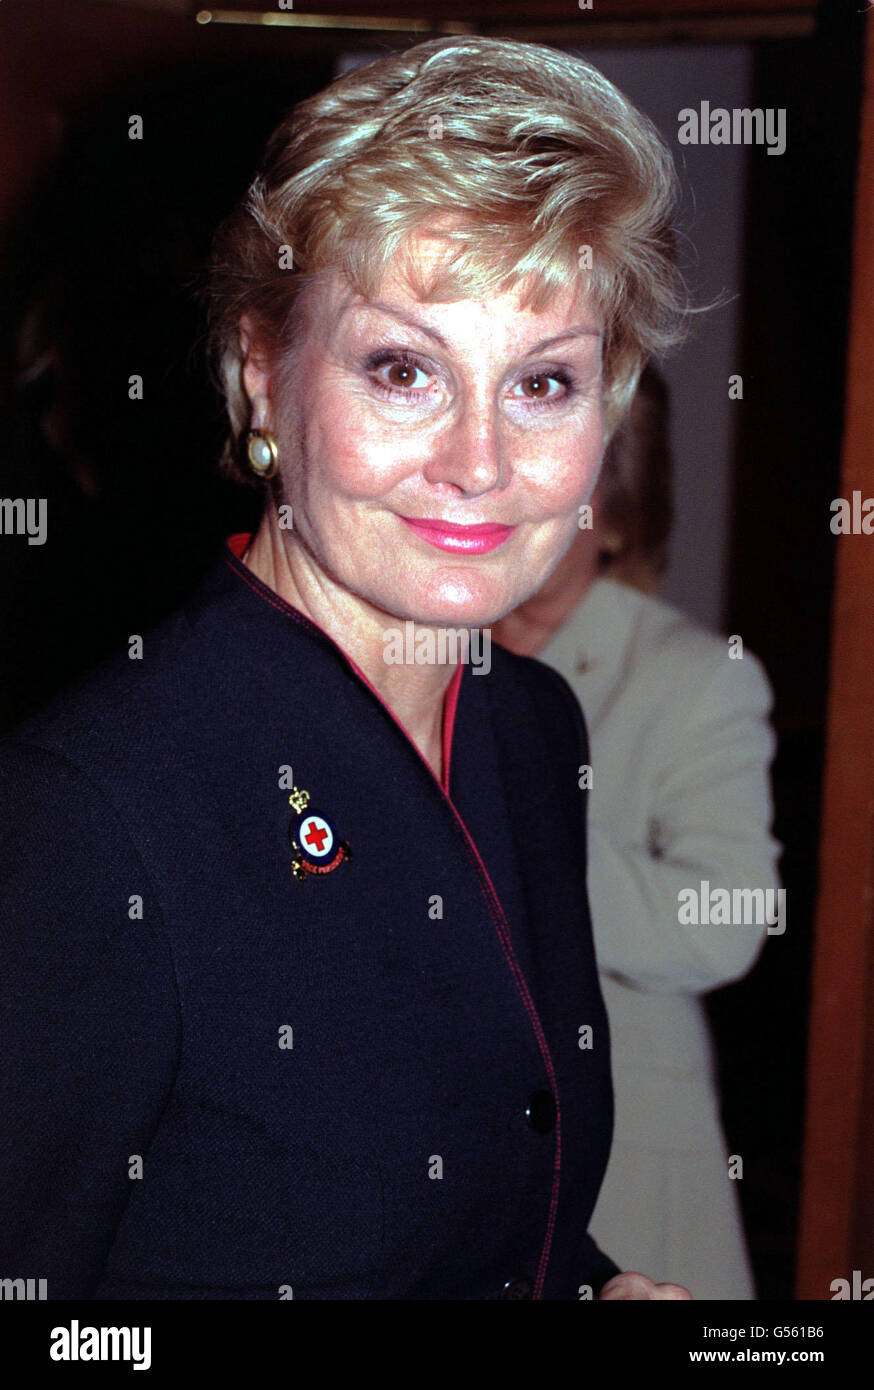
[{"x": 470, "y": 452}]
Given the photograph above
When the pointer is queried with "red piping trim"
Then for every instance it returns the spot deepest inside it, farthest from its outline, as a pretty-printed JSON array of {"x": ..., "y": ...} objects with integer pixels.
[
  {"x": 450, "y": 705},
  {"x": 237, "y": 545}
]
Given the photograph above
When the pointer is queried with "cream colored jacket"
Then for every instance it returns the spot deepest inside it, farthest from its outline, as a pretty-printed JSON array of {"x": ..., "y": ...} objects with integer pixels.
[{"x": 680, "y": 746}]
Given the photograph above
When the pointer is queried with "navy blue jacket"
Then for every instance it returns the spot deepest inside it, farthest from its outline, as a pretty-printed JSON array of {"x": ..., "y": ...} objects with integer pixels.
[{"x": 221, "y": 1081}]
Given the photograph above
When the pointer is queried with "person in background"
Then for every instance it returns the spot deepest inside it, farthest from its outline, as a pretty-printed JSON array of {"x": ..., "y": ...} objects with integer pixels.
[{"x": 680, "y": 748}]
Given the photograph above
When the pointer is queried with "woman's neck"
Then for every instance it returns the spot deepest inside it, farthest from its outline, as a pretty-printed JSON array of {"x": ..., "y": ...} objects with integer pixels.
[{"x": 413, "y": 692}]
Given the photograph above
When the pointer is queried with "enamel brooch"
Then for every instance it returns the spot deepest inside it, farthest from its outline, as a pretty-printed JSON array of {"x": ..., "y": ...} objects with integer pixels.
[{"x": 317, "y": 847}]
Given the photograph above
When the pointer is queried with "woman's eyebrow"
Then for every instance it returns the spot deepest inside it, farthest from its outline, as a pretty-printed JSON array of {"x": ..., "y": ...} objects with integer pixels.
[{"x": 578, "y": 331}]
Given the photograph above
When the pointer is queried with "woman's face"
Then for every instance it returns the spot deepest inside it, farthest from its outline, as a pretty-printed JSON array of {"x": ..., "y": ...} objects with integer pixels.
[{"x": 404, "y": 418}]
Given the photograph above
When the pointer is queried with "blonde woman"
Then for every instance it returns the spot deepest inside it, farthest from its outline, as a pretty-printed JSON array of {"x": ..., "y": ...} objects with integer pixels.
[{"x": 303, "y": 896}]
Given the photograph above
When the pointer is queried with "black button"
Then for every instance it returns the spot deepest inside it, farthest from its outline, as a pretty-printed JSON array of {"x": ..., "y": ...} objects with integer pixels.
[
  {"x": 516, "y": 1288},
  {"x": 540, "y": 1113}
]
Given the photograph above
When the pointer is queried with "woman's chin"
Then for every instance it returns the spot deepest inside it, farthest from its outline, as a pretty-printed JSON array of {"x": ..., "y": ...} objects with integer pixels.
[
  {"x": 459, "y": 604},
  {"x": 477, "y": 613}
]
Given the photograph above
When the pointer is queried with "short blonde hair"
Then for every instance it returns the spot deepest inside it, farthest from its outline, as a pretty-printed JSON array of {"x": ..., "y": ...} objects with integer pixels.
[{"x": 537, "y": 156}]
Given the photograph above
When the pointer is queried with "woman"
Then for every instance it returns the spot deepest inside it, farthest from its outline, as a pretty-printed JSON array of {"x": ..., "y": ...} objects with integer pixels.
[
  {"x": 680, "y": 748},
  {"x": 301, "y": 998}
]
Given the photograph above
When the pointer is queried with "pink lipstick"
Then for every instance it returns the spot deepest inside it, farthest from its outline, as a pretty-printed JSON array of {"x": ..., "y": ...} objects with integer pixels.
[{"x": 466, "y": 540}]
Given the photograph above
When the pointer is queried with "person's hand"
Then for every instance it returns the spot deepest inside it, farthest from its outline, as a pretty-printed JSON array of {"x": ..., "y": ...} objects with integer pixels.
[{"x": 634, "y": 1285}]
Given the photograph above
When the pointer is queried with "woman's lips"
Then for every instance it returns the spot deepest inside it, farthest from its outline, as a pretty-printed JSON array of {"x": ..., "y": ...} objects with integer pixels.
[{"x": 446, "y": 535}]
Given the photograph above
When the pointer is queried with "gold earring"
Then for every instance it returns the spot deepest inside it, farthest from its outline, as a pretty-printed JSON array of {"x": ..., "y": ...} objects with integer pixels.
[{"x": 262, "y": 452}]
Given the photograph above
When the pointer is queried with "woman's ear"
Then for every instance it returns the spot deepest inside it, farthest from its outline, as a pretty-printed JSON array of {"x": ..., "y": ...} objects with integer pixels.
[{"x": 256, "y": 369}]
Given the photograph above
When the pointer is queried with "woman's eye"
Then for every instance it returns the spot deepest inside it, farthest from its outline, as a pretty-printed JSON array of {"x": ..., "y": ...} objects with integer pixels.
[
  {"x": 537, "y": 387},
  {"x": 398, "y": 376}
]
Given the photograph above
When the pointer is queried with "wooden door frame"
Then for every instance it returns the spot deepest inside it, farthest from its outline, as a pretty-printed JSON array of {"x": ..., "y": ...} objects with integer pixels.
[{"x": 836, "y": 1232}]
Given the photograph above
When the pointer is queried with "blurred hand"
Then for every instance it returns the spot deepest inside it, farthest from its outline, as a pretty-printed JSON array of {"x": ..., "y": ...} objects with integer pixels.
[{"x": 633, "y": 1285}]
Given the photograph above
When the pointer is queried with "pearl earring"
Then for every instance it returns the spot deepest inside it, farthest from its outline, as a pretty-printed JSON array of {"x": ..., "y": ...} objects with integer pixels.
[{"x": 262, "y": 452}]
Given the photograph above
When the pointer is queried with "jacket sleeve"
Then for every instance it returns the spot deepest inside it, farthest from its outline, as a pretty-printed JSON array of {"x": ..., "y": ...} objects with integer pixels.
[
  {"x": 600, "y": 1266},
  {"x": 710, "y": 820},
  {"x": 90, "y": 1025}
]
